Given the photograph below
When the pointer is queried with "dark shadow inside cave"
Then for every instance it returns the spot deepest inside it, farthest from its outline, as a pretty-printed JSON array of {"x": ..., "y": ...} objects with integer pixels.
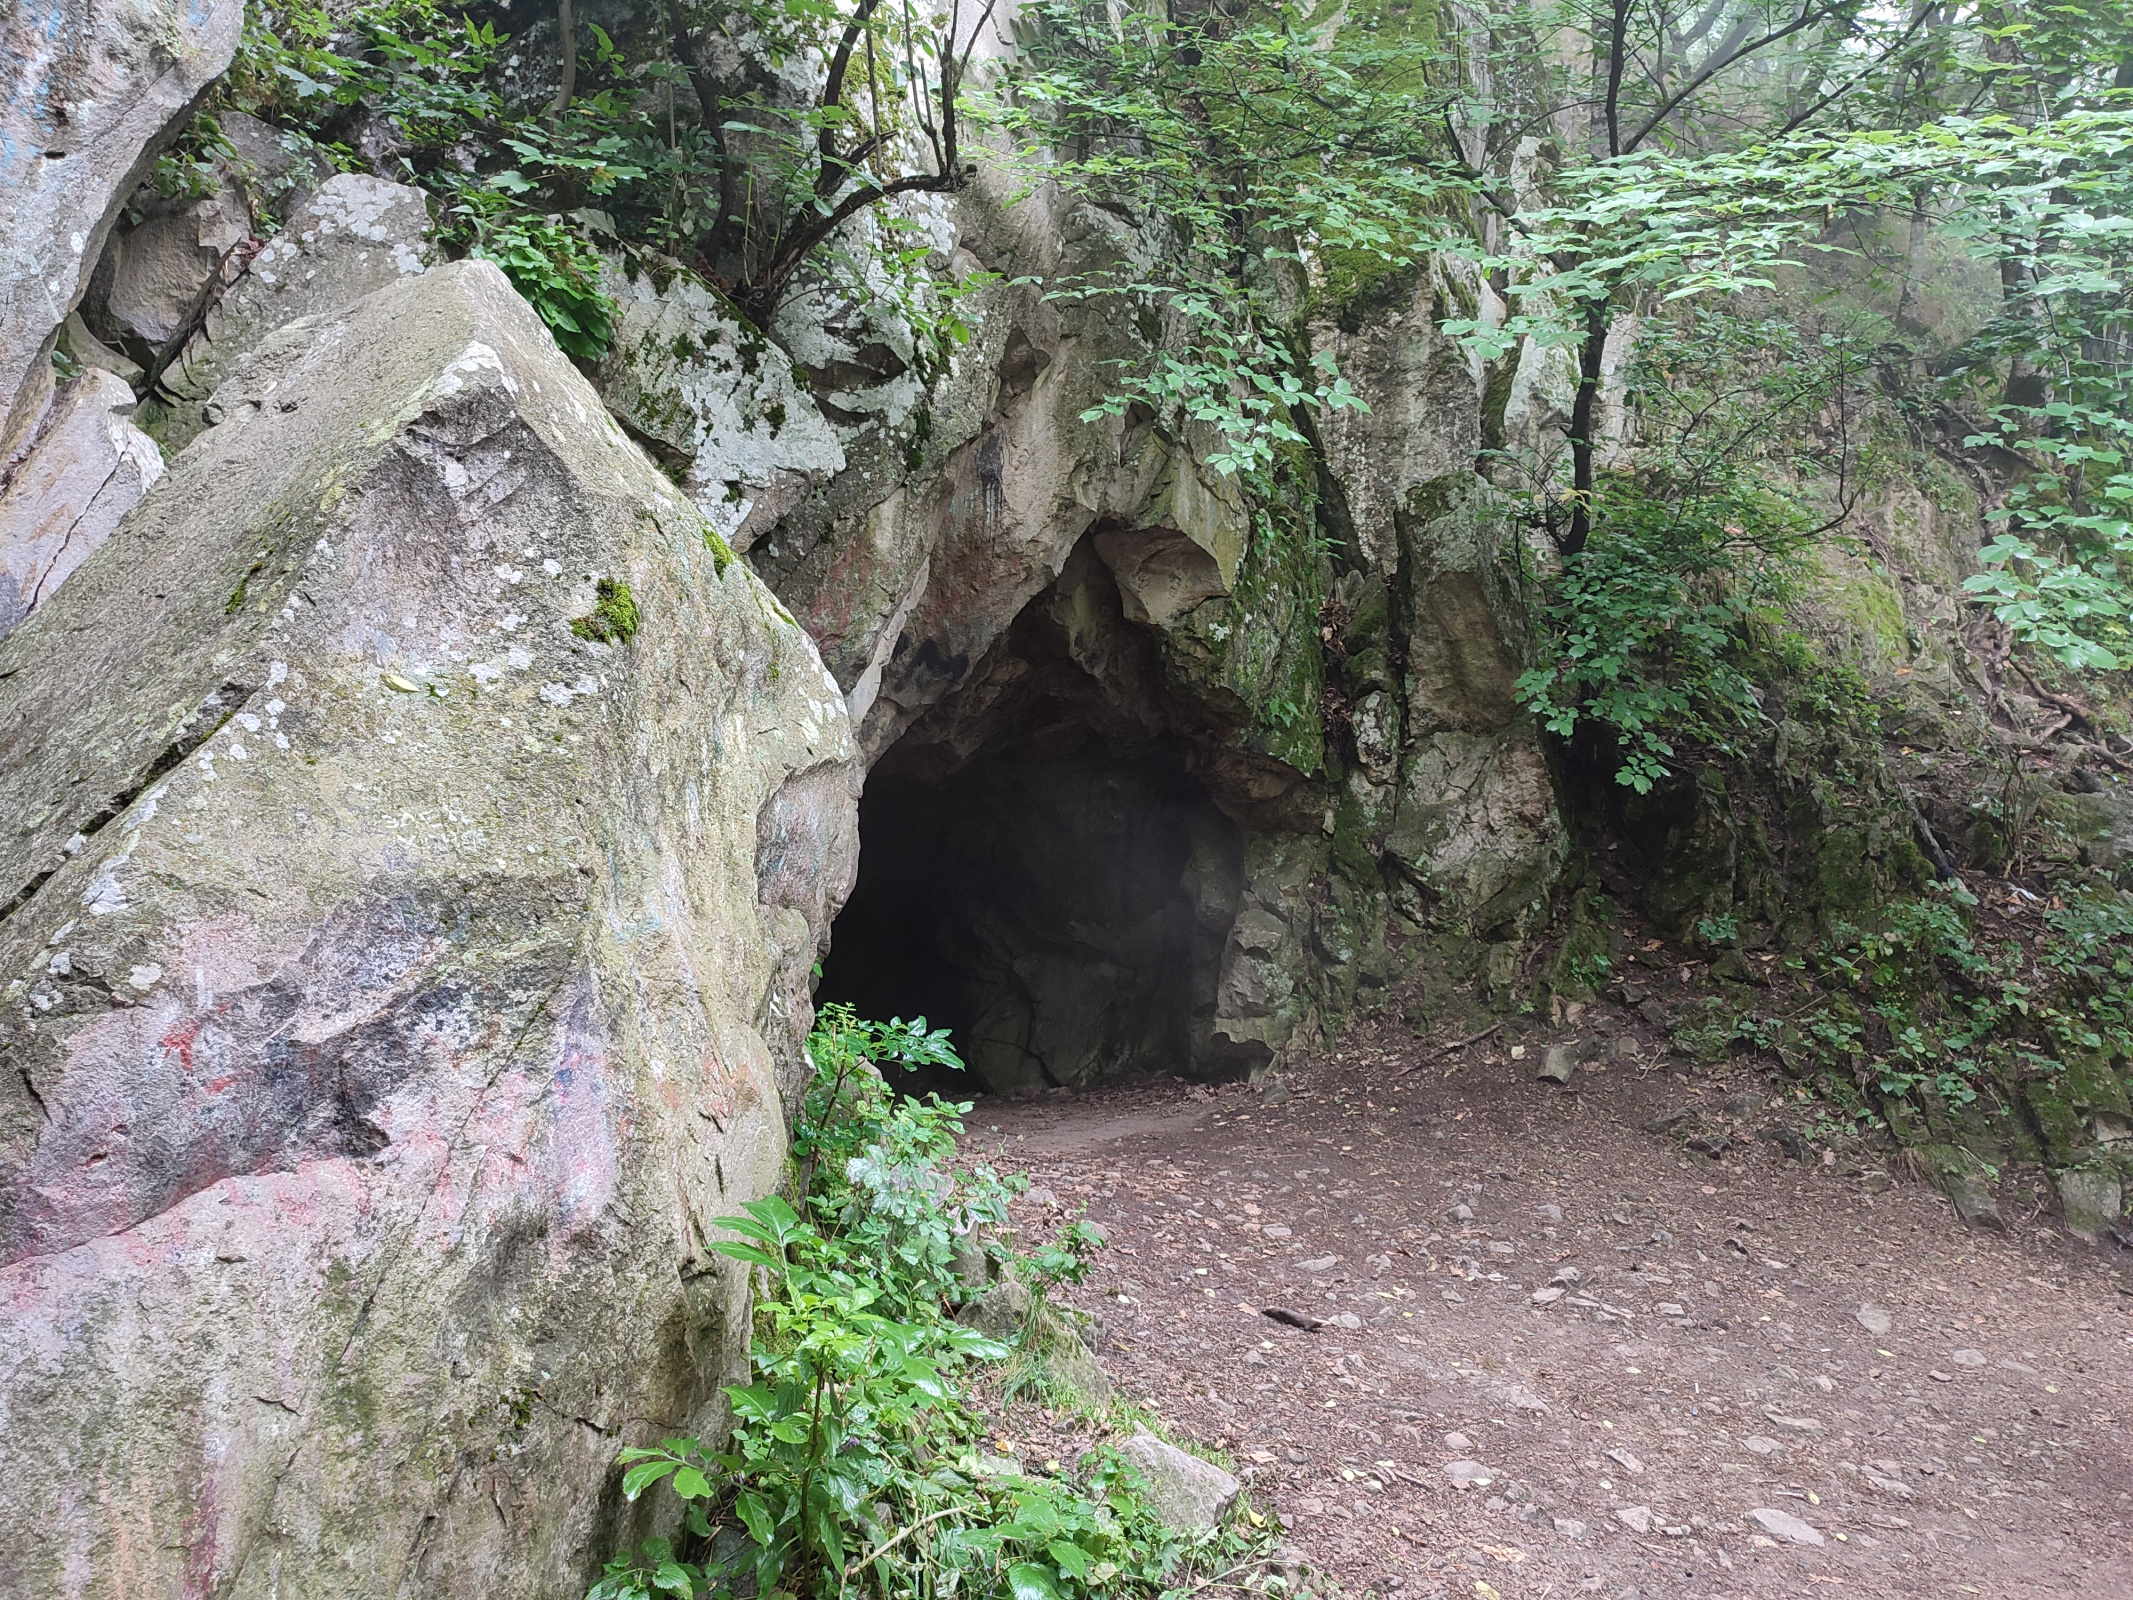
[{"x": 1041, "y": 872}]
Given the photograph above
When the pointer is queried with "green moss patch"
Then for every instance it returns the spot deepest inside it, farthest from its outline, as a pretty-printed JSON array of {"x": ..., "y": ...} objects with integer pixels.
[{"x": 615, "y": 617}]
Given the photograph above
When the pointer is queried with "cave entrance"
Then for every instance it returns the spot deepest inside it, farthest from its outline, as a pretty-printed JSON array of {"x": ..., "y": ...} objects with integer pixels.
[{"x": 1041, "y": 872}]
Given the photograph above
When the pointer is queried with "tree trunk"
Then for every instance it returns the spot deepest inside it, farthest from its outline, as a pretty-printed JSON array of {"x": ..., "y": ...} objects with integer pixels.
[{"x": 1584, "y": 421}]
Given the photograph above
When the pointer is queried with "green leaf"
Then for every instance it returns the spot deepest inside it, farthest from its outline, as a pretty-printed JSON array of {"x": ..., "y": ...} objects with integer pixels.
[
  {"x": 1027, "y": 1581},
  {"x": 644, "y": 1475},
  {"x": 754, "y": 1512}
]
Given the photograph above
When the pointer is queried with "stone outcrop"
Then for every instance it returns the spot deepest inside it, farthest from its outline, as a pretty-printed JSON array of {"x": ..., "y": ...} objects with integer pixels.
[
  {"x": 1168, "y": 764},
  {"x": 712, "y": 397},
  {"x": 89, "y": 467},
  {"x": 156, "y": 275},
  {"x": 398, "y": 981},
  {"x": 93, "y": 91},
  {"x": 352, "y": 235}
]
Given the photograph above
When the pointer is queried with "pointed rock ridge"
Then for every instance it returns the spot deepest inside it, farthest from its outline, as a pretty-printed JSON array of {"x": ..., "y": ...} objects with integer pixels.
[
  {"x": 397, "y": 982},
  {"x": 93, "y": 91}
]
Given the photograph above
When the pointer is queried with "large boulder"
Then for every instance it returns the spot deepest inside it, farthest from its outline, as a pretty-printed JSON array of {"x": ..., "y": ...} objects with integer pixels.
[
  {"x": 90, "y": 466},
  {"x": 93, "y": 89},
  {"x": 419, "y": 834}
]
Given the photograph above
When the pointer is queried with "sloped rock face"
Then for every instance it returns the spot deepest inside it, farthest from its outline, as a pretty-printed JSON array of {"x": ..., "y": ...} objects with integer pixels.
[
  {"x": 90, "y": 467},
  {"x": 397, "y": 983},
  {"x": 93, "y": 89}
]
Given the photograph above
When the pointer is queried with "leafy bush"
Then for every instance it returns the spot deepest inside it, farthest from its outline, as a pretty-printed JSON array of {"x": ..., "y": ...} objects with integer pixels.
[
  {"x": 554, "y": 267},
  {"x": 2056, "y": 572},
  {"x": 1655, "y": 625},
  {"x": 1668, "y": 626},
  {"x": 856, "y": 1464},
  {"x": 1914, "y": 1006}
]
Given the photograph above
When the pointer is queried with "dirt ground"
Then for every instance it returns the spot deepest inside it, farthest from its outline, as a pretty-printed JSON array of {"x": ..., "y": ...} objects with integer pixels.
[{"x": 1707, "y": 1362}]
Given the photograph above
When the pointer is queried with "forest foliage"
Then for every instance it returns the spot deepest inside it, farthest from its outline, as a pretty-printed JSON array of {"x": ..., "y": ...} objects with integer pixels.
[
  {"x": 1552, "y": 168},
  {"x": 858, "y": 1463}
]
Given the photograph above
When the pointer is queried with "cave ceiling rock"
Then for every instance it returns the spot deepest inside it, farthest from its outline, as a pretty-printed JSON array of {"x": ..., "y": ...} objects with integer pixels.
[
  {"x": 400, "y": 983},
  {"x": 955, "y": 560},
  {"x": 1182, "y": 544},
  {"x": 954, "y": 513},
  {"x": 93, "y": 91}
]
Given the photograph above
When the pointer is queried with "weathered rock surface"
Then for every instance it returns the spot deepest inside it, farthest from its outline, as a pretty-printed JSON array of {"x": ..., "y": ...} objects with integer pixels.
[
  {"x": 156, "y": 275},
  {"x": 1188, "y": 1494},
  {"x": 93, "y": 89},
  {"x": 353, "y": 235},
  {"x": 396, "y": 984},
  {"x": 1002, "y": 1311},
  {"x": 714, "y": 396},
  {"x": 2093, "y": 1202},
  {"x": 89, "y": 467}
]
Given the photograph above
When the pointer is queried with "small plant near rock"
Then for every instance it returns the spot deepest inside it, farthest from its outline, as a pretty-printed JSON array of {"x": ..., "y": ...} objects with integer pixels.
[
  {"x": 1914, "y": 1021},
  {"x": 615, "y": 617},
  {"x": 857, "y": 1465}
]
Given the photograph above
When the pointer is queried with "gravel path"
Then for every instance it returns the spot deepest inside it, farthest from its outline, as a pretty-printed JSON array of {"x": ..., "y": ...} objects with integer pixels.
[{"x": 1702, "y": 1410}]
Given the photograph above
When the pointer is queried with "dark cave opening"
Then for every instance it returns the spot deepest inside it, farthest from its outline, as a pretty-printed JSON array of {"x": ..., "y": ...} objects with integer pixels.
[{"x": 1042, "y": 873}]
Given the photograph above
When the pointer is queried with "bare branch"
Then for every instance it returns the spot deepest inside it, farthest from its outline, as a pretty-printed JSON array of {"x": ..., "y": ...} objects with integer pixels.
[{"x": 1727, "y": 53}]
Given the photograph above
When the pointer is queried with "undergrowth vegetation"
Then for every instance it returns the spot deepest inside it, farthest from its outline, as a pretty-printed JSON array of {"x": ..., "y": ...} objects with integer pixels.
[
  {"x": 1667, "y": 628},
  {"x": 816, "y": 114},
  {"x": 1909, "y": 1023},
  {"x": 858, "y": 1463}
]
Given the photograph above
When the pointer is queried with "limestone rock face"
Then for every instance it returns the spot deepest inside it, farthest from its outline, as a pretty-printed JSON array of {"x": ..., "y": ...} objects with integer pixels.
[
  {"x": 89, "y": 467},
  {"x": 396, "y": 984},
  {"x": 352, "y": 235},
  {"x": 1153, "y": 767},
  {"x": 158, "y": 273},
  {"x": 715, "y": 396},
  {"x": 93, "y": 90}
]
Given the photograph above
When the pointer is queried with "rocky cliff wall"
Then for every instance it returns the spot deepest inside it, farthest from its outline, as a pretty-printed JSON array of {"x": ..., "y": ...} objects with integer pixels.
[{"x": 1319, "y": 664}]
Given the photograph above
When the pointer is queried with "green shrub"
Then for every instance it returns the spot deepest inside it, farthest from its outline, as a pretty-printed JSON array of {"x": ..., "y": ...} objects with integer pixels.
[
  {"x": 856, "y": 1464},
  {"x": 1657, "y": 625}
]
